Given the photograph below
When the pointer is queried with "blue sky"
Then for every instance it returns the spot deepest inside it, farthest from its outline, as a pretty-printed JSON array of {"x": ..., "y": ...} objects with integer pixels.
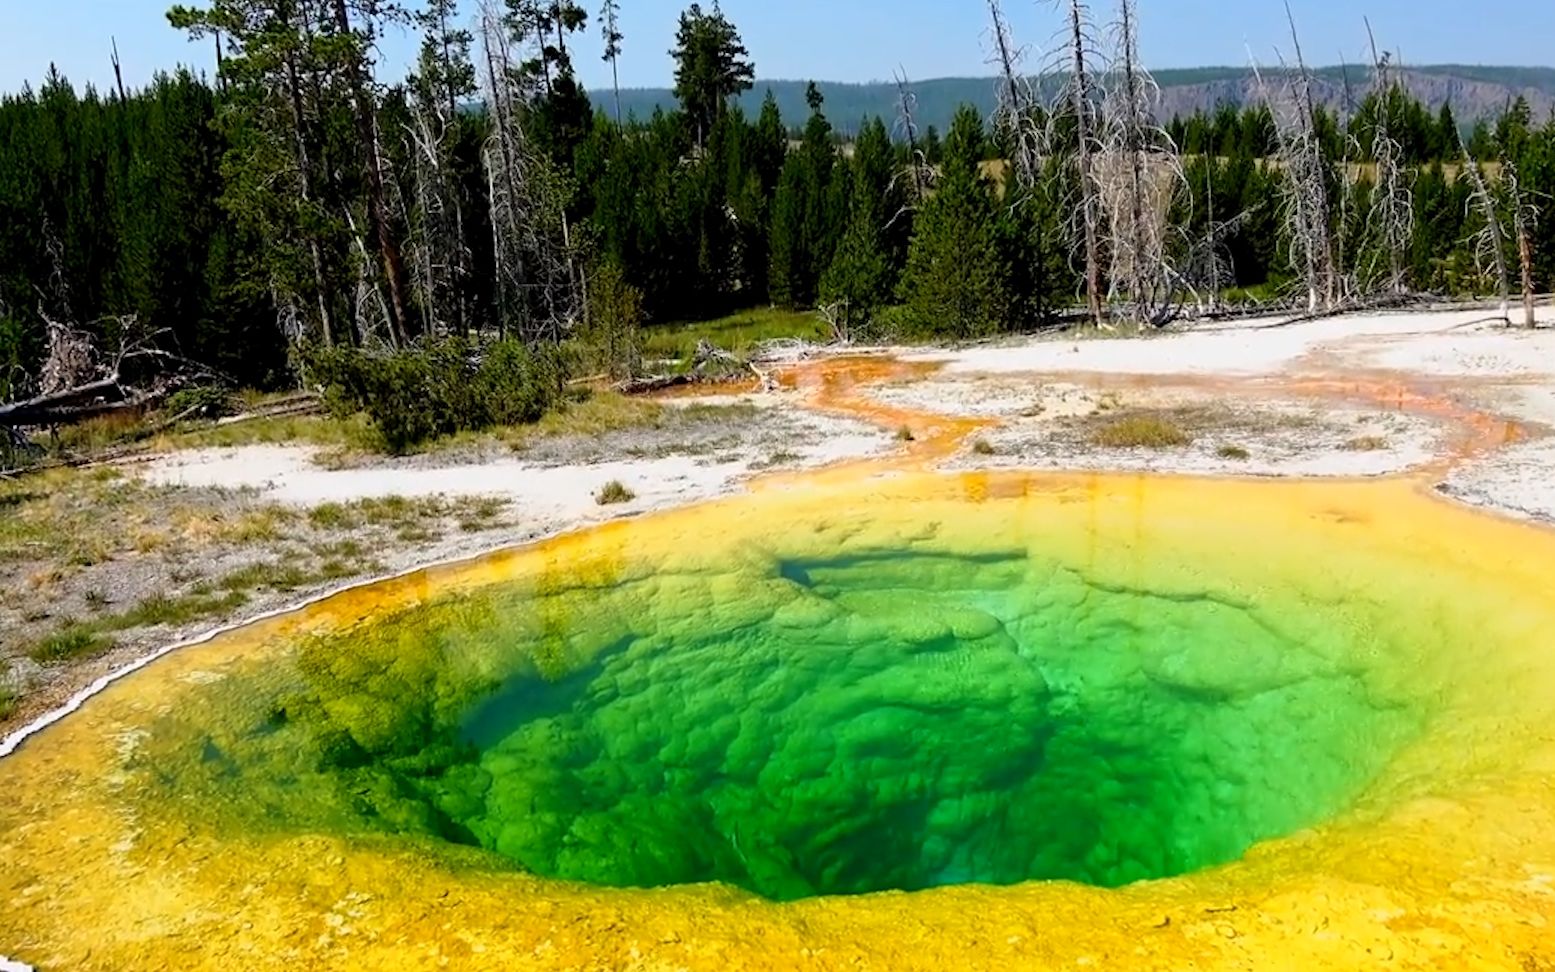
[{"x": 856, "y": 40}]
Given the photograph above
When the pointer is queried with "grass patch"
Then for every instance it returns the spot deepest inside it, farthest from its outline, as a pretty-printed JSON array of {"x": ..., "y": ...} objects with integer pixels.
[
  {"x": 1141, "y": 432},
  {"x": 415, "y": 534},
  {"x": 404, "y": 511},
  {"x": 173, "y": 610},
  {"x": 344, "y": 549},
  {"x": 266, "y": 574},
  {"x": 736, "y": 333},
  {"x": 258, "y": 526},
  {"x": 1233, "y": 452},
  {"x": 982, "y": 447},
  {"x": 354, "y": 434},
  {"x": 1366, "y": 443},
  {"x": 614, "y": 492},
  {"x": 102, "y": 432},
  {"x": 332, "y": 516},
  {"x": 70, "y": 643},
  {"x": 7, "y": 702}
]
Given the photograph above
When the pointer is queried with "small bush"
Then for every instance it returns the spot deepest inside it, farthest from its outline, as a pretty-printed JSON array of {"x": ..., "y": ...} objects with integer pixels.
[
  {"x": 205, "y": 401},
  {"x": 69, "y": 643},
  {"x": 614, "y": 492},
  {"x": 904, "y": 434},
  {"x": 612, "y": 339},
  {"x": 1141, "y": 432},
  {"x": 417, "y": 395},
  {"x": 983, "y": 447},
  {"x": 1232, "y": 452}
]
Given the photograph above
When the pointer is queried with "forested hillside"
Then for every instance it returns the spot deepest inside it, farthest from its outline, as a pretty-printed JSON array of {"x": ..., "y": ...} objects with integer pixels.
[
  {"x": 305, "y": 205},
  {"x": 1476, "y": 93}
]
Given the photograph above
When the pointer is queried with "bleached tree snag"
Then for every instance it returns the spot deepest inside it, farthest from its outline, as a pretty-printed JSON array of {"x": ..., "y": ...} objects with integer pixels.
[
  {"x": 1304, "y": 188},
  {"x": 1016, "y": 112},
  {"x": 1139, "y": 174},
  {"x": 1392, "y": 212},
  {"x": 1079, "y": 97},
  {"x": 436, "y": 245},
  {"x": 539, "y": 292},
  {"x": 1312, "y": 178},
  {"x": 364, "y": 113},
  {"x": 71, "y": 361},
  {"x": 307, "y": 180},
  {"x": 920, "y": 174},
  {"x": 1490, "y": 241},
  {"x": 76, "y": 383},
  {"x": 1524, "y": 218}
]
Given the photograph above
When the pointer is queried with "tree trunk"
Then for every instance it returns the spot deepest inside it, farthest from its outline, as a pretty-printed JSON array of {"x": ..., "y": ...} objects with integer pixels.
[
  {"x": 305, "y": 165},
  {"x": 377, "y": 200},
  {"x": 450, "y": 126},
  {"x": 1525, "y": 256},
  {"x": 615, "y": 84},
  {"x": 1082, "y": 111}
]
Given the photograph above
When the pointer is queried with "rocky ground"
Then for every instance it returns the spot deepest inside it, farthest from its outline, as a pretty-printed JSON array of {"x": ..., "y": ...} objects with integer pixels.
[{"x": 101, "y": 566}]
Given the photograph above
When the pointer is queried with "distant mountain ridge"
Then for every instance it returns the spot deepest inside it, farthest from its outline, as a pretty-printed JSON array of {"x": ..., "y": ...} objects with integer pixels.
[{"x": 1475, "y": 92}]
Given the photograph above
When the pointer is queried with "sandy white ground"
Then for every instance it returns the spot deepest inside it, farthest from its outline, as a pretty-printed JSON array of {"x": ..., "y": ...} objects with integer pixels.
[
  {"x": 1258, "y": 347},
  {"x": 1039, "y": 395},
  {"x": 537, "y": 490}
]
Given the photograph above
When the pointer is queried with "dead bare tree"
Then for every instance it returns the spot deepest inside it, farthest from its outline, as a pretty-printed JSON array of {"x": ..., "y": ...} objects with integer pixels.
[
  {"x": 1079, "y": 59},
  {"x": 1139, "y": 175},
  {"x": 308, "y": 175},
  {"x": 370, "y": 312},
  {"x": 1017, "y": 113},
  {"x": 539, "y": 291},
  {"x": 1524, "y": 217},
  {"x": 918, "y": 172},
  {"x": 1391, "y": 215},
  {"x": 1490, "y": 241},
  {"x": 436, "y": 244},
  {"x": 1306, "y": 200},
  {"x": 78, "y": 382},
  {"x": 358, "y": 73}
]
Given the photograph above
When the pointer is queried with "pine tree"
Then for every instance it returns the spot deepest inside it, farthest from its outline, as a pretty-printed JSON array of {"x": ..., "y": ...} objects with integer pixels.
[
  {"x": 711, "y": 66},
  {"x": 862, "y": 275},
  {"x": 610, "y": 27},
  {"x": 953, "y": 286},
  {"x": 277, "y": 185},
  {"x": 809, "y": 212}
]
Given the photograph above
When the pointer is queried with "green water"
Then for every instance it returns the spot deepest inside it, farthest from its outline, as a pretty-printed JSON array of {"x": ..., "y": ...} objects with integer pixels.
[{"x": 888, "y": 719}]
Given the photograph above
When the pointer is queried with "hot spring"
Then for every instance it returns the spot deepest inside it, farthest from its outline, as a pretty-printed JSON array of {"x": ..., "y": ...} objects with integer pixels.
[{"x": 1020, "y": 689}]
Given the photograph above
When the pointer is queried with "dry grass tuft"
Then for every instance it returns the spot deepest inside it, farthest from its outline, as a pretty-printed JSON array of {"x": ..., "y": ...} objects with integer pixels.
[
  {"x": 614, "y": 492},
  {"x": 1233, "y": 452},
  {"x": 1144, "y": 431},
  {"x": 1366, "y": 443}
]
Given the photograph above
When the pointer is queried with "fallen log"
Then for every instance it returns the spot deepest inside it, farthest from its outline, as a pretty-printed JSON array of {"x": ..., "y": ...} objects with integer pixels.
[
  {"x": 70, "y": 405},
  {"x": 652, "y": 383},
  {"x": 27, "y": 414}
]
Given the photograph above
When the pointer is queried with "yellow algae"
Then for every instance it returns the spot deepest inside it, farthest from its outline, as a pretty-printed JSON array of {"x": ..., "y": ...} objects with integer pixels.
[{"x": 122, "y": 851}]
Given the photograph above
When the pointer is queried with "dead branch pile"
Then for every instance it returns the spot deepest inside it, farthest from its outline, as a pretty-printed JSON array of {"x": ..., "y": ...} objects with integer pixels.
[
  {"x": 710, "y": 365},
  {"x": 76, "y": 382}
]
